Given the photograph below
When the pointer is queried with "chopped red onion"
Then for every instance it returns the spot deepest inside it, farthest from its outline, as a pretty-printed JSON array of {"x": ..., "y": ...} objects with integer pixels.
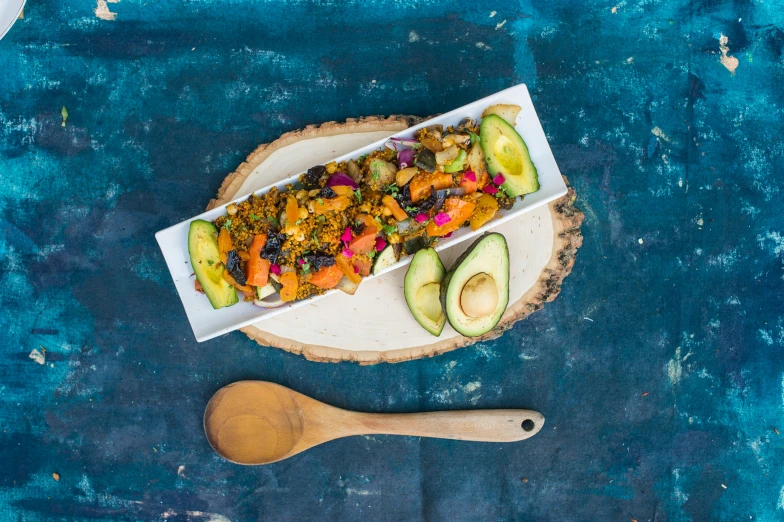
[{"x": 341, "y": 179}]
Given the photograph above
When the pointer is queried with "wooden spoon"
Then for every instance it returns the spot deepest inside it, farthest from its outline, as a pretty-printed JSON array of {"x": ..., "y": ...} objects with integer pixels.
[{"x": 256, "y": 422}]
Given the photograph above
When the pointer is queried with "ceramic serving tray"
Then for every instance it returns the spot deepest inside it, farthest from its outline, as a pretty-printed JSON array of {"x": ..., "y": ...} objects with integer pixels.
[{"x": 208, "y": 323}]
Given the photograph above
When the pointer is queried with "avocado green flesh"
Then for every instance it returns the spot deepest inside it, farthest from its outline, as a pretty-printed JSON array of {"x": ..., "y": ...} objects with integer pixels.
[
  {"x": 422, "y": 288},
  {"x": 506, "y": 153},
  {"x": 489, "y": 255},
  {"x": 205, "y": 259}
]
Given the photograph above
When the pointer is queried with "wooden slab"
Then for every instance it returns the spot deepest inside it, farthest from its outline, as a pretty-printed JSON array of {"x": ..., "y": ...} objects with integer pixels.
[{"x": 374, "y": 325}]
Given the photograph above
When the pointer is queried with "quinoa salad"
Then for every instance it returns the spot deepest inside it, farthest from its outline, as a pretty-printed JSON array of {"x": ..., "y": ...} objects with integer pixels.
[{"x": 344, "y": 221}]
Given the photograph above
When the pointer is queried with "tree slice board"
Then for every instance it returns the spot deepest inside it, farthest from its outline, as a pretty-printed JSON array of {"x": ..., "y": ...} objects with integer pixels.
[{"x": 375, "y": 325}]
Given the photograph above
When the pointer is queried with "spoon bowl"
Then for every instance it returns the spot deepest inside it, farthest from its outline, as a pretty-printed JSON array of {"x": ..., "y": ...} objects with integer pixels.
[{"x": 257, "y": 422}]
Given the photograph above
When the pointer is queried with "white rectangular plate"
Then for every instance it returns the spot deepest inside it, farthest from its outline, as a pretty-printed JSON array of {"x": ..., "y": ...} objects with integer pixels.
[{"x": 207, "y": 322}]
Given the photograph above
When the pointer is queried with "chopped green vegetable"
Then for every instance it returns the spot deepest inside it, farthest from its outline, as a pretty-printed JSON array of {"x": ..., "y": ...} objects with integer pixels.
[
  {"x": 64, "y": 113},
  {"x": 272, "y": 219},
  {"x": 474, "y": 137},
  {"x": 320, "y": 201},
  {"x": 390, "y": 229},
  {"x": 254, "y": 217},
  {"x": 358, "y": 194},
  {"x": 321, "y": 218}
]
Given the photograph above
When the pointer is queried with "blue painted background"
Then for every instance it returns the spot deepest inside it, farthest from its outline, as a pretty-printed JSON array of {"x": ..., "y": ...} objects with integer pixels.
[{"x": 659, "y": 368}]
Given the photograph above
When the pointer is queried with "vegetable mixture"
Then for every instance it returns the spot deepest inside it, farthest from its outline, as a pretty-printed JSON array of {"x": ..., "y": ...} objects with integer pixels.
[{"x": 343, "y": 221}]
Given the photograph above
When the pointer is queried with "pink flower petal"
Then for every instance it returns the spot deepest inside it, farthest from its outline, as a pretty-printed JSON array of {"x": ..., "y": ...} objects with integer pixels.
[
  {"x": 441, "y": 219},
  {"x": 347, "y": 236},
  {"x": 300, "y": 261},
  {"x": 348, "y": 253},
  {"x": 499, "y": 179},
  {"x": 469, "y": 176},
  {"x": 380, "y": 244},
  {"x": 356, "y": 269},
  {"x": 421, "y": 218},
  {"x": 275, "y": 269},
  {"x": 490, "y": 189}
]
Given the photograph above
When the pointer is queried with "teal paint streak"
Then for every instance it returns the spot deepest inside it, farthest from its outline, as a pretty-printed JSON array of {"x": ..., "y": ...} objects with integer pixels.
[{"x": 660, "y": 141}]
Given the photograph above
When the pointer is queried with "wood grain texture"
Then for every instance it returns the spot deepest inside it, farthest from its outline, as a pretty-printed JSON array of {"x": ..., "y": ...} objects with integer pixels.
[
  {"x": 565, "y": 221},
  {"x": 255, "y": 422}
]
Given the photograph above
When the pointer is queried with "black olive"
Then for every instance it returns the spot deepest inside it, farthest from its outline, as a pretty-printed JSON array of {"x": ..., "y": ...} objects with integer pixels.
[
  {"x": 319, "y": 260},
  {"x": 312, "y": 178},
  {"x": 327, "y": 193},
  {"x": 271, "y": 250},
  {"x": 234, "y": 266}
]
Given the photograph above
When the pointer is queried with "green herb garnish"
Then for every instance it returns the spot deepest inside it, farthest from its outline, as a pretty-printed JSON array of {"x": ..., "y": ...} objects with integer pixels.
[
  {"x": 227, "y": 224},
  {"x": 320, "y": 201},
  {"x": 210, "y": 262},
  {"x": 254, "y": 217},
  {"x": 390, "y": 229},
  {"x": 271, "y": 219},
  {"x": 474, "y": 137},
  {"x": 64, "y": 113},
  {"x": 315, "y": 238},
  {"x": 372, "y": 254},
  {"x": 321, "y": 218},
  {"x": 358, "y": 194}
]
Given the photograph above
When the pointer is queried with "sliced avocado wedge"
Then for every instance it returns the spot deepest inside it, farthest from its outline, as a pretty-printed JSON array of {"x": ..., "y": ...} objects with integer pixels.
[
  {"x": 506, "y": 153},
  {"x": 205, "y": 259},
  {"x": 475, "y": 292},
  {"x": 422, "y": 288}
]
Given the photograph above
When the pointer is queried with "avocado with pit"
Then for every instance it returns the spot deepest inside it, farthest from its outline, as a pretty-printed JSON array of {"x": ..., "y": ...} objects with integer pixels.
[
  {"x": 205, "y": 259},
  {"x": 422, "y": 287},
  {"x": 507, "y": 154},
  {"x": 475, "y": 292}
]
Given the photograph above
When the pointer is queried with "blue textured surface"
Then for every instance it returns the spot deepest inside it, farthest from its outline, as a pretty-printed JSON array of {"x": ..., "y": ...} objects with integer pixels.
[{"x": 659, "y": 367}]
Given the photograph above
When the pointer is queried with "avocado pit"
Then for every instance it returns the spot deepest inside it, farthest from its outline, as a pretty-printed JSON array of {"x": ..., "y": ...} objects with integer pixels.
[{"x": 479, "y": 296}]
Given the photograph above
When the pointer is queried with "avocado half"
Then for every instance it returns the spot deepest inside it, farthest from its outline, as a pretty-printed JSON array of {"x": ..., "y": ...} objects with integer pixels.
[
  {"x": 422, "y": 287},
  {"x": 475, "y": 292},
  {"x": 507, "y": 154},
  {"x": 205, "y": 259}
]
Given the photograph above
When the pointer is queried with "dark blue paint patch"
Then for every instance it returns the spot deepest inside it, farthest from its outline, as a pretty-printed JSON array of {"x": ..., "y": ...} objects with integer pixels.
[{"x": 657, "y": 367}]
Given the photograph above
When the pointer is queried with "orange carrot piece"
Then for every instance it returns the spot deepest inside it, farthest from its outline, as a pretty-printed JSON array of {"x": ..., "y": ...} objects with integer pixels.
[
  {"x": 365, "y": 242},
  {"x": 338, "y": 204},
  {"x": 470, "y": 186},
  {"x": 290, "y": 284},
  {"x": 257, "y": 268},
  {"x": 363, "y": 264},
  {"x": 348, "y": 269},
  {"x": 224, "y": 245},
  {"x": 292, "y": 211},
  {"x": 458, "y": 210},
  {"x": 394, "y": 207},
  {"x": 422, "y": 182},
  {"x": 327, "y": 277}
]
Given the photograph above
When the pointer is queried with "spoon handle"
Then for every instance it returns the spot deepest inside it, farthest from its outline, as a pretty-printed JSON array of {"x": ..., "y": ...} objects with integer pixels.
[{"x": 477, "y": 425}]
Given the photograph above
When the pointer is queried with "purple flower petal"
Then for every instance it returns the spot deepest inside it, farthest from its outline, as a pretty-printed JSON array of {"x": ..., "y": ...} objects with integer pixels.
[
  {"x": 469, "y": 176},
  {"x": 380, "y": 244},
  {"x": 490, "y": 189},
  {"x": 347, "y": 236},
  {"x": 348, "y": 253},
  {"x": 499, "y": 179},
  {"x": 421, "y": 218},
  {"x": 275, "y": 269}
]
